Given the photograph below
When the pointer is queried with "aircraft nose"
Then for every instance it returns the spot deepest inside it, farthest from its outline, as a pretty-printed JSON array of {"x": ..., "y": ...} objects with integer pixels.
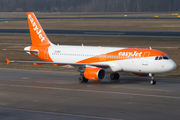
[
  {"x": 175, "y": 66},
  {"x": 172, "y": 65}
]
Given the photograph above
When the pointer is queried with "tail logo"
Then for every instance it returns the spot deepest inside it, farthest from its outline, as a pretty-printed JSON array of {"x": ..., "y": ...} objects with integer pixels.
[{"x": 35, "y": 28}]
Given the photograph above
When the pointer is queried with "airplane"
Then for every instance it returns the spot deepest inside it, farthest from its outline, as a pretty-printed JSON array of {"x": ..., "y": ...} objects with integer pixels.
[{"x": 93, "y": 62}]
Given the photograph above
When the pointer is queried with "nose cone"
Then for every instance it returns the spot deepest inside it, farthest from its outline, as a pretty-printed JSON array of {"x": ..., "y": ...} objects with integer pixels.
[
  {"x": 171, "y": 65},
  {"x": 174, "y": 66}
]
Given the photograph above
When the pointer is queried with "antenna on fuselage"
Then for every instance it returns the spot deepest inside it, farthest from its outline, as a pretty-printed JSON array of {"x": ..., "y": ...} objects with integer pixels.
[
  {"x": 150, "y": 47},
  {"x": 82, "y": 44}
]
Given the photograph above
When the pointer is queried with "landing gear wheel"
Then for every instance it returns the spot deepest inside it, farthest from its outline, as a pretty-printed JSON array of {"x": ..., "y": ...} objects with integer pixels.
[
  {"x": 83, "y": 79},
  {"x": 153, "y": 82},
  {"x": 80, "y": 79},
  {"x": 114, "y": 76}
]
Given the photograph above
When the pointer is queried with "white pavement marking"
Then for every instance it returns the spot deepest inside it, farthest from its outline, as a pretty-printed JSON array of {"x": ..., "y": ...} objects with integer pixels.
[
  {"x": 92, "y": 91},
  {"x": 25, "y": 78}
]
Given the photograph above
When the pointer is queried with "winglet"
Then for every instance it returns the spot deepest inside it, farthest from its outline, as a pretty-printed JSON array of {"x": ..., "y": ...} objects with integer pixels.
[{"x": 8, "y": 61}]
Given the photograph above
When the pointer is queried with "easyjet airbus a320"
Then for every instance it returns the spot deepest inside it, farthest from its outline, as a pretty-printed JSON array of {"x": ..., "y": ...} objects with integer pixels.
[{"x": 94, "y": 62}]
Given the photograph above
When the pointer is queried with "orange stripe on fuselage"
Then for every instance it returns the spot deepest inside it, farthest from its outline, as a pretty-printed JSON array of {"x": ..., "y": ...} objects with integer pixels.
[{"x": 128, "y": 53}]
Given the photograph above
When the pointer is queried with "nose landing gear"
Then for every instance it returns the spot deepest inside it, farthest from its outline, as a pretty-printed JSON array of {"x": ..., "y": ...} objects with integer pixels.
[{"x": 153, "y": 82}]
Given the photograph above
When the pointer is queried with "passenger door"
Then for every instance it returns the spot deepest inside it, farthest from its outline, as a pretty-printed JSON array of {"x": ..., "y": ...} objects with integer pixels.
[{"x": 145, "y": 58}]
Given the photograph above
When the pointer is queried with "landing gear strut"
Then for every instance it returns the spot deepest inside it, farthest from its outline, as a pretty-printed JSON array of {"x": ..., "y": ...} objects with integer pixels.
[
  {"x": 114, "y": 76},
  {"x": 153, "y": 82}
]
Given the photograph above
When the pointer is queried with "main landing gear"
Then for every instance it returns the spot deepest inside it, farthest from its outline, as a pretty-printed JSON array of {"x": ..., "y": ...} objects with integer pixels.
[
  {"x": 114, "y": 76},
  {"x": 153, "y": 82},
  {"x": 82, "y": 79}
]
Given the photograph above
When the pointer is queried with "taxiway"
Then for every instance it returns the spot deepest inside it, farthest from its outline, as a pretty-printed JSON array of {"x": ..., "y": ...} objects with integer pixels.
[
  {"x": 97, "y": 33},
  {"x": 92, "y": 18},
  {"x": 28, "y": 94}
]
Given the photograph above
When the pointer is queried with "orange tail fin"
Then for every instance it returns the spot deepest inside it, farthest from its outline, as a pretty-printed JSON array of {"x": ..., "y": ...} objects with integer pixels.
[{"x": 38, "y": 36}]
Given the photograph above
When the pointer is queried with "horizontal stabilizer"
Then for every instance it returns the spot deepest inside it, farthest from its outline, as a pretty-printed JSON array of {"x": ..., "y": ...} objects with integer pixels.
[{"x": 21, "y": 50}]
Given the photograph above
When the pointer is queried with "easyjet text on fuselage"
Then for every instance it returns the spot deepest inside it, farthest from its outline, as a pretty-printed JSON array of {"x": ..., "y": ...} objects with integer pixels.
[{"x": 130, "y": 54}]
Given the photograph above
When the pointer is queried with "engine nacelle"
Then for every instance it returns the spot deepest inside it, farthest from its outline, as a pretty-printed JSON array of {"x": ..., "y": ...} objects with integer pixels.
[
  {"x": 94, "y": 74},
  {"x": 141, "y": 74}
]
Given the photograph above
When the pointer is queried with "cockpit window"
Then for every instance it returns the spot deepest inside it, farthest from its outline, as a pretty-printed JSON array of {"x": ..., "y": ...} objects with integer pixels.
[
  {"x": 156, "y": 58},
  {"x": 162, "y": 58},
  {"x": 166, "y": 58}
]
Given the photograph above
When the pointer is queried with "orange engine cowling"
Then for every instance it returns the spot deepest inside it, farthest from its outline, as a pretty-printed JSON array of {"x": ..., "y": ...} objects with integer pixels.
[
  {"x": 94, "y": 74},
  {"x": 141, "y": 74}
]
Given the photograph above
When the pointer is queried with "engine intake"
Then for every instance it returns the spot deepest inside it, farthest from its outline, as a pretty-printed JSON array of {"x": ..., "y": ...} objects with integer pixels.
[{"x": 94, "y": 74}]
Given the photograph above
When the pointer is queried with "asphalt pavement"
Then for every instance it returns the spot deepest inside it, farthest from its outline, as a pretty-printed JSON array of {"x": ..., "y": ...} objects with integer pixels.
[
  {"x": 134, "y": 17},
  {"x": 51, "y": 95},
  {"x": 97, "y": 33}
]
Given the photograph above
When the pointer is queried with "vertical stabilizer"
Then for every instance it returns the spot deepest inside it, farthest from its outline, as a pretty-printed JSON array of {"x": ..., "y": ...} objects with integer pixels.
[{"x": 38, "y": 36}]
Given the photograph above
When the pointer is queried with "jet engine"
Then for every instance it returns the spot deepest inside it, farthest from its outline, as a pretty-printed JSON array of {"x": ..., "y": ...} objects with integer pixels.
[{"x": 94, "y": 74}]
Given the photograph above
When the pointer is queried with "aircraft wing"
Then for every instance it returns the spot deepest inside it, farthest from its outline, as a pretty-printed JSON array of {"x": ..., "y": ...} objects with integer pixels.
[{"x": 59, "y": 64}]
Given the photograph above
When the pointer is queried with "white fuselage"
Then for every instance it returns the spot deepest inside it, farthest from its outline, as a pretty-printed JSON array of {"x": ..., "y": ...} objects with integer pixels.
[{"x": 74, "y": 54}]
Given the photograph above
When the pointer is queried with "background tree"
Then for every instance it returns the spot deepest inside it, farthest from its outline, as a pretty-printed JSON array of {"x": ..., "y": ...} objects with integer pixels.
[{"x": 90, "y": 5}]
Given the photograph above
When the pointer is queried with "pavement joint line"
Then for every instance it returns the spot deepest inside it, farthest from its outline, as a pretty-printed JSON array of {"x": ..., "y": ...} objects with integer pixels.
[
  {"x": 41, "y": 71},
  {"x": 93, "y": 91},
  {"x": 55, "y": 113}
]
